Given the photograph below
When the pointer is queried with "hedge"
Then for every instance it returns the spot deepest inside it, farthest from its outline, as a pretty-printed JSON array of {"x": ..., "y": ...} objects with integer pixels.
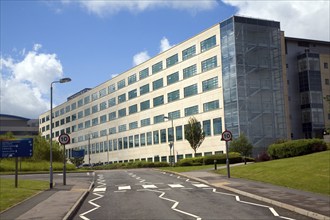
[
  {"x": 296, "y": 148},
  {"x": 221, "y": 159}
]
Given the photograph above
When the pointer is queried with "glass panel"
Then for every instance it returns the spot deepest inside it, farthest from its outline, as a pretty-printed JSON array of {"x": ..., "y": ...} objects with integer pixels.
[
  {"x": 174, "y": 77},
  {"x": 157, "y": 67},
  {"x": 144, "y": 73},
  {"x": 172, "y": 60},
  {"x": 189, "y": 71},
  {"x": 189, "y": 52},
  {"x": 208, "y": 43}
]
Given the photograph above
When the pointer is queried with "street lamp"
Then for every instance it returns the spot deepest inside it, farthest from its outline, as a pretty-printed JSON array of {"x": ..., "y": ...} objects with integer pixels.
[
  {"x": 170, "y": 118},
  {"x": 63, "y": 80}
]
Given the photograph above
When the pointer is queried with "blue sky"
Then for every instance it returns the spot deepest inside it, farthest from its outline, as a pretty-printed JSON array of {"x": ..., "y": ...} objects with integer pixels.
[{"x": 92, "y": 41}]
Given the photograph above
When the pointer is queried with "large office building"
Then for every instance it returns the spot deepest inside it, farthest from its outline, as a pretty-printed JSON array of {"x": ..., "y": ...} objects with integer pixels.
[{"x": 231, "y": 76}]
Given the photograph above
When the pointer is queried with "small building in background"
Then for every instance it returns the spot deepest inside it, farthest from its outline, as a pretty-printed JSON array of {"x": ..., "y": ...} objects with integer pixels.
[{"x": 19, "y": 126}]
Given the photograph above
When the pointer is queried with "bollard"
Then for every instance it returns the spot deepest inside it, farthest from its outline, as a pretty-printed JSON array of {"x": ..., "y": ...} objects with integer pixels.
[{"x": 215, "y": 164}]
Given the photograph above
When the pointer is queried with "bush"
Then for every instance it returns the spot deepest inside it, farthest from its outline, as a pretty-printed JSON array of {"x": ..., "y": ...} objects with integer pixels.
[
  {"x": 296, "y": 148},
  {"x": 234, "y": 157},
  {"x": 131, "y": 165},
  {"x": 263, "y": 156}
]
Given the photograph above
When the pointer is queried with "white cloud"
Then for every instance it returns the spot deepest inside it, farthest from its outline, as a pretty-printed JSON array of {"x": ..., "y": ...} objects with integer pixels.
[
  {"x": 26, "y": 82},
  {"x": 102, "y": 8},
  {"x": 302, "y": 19},
  {"x": 140, "y": 58},
  {"x": 164, "y": 44}
]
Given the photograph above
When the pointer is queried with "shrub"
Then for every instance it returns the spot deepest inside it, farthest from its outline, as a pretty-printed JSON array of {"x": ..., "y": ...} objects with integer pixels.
[
  {"x": 296, "y": 148},
  {"x": 263, "y": 156},
  {"x": 195, "y": 161},
  {"x": 234, "y": 157}
]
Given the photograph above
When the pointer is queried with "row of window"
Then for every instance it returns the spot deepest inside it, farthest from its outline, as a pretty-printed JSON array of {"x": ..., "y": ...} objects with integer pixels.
[
  {"x": 187, "y": 72},
  {"x": 188, "y": 91},
  {"x": 192, "y": 110},
  {"x": 151, "y": 138}
]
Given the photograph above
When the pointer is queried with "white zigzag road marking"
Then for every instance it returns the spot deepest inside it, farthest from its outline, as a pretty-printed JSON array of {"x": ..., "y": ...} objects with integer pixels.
[
  {"x": 92, "y": 203},
  {"x": 176, "y": 203},
  {"x": 251, "y": 203}
]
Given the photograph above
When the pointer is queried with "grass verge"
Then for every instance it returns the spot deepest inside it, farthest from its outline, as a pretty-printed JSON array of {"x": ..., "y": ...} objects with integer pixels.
[
  {"x": 9, "y": 195},
  {"x": 309, "y": 173}
]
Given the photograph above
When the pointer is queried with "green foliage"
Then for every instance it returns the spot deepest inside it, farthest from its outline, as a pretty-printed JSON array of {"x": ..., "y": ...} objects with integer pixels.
[
  {"x": 130, "y": 165},
  {"x": 241, "y": 145},
  {"x": 77, "y": 161},
  {"x": 41, "y": 150},
  {"x": 8, "y": 165},
  {"x": 234, "y": 157},
  {"x": 194, "y": 133},
  {"x": 296, "y": 148},
  {"x": 8, "y": 136}
]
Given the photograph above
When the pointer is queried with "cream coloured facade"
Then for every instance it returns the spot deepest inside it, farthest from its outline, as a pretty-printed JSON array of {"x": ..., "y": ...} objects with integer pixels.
[{"x": 229, "y": 76}]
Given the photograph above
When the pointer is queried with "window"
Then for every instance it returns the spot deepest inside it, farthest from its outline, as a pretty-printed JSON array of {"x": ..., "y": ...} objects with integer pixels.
[
  {"x": 149, "y": 138},
  {"x": 158, "y": 119},
  {"x": 112, "y": 130},
  {"x": 208, "y": 43},
  {"x": 102, "y": 92},
  {"x": 115, "y": 144},
  {"x": 67, "y": 119},
  {"x": 144, "y": 105},
  {"x": 158, "y": 101},
  {"x": 133, "y": 125},
  {"x": 217, "y": 127},
  {"x": 120, "y": 143},
  {"x": 209, "y": 106},
  {"x": 189, "y": 71},
  {"x": 132, "y": 94},
  {"x": 326, "y": 65},
  {"x": 103, "y": 119},
  {"x": 172, "y": 96},
  {"x": 178, "y": 133},
  {"x": 157, "y": 84},
  {"x": 136, "y": 140},
  {"x": 189, "y": 52},
  {"x": 80, "y": 102},
  {"x": 144, "y": 89},
  {"x": 174, "y": 115},
  {"x": 121, "y": 112},
  {"x": 121, "y": 84},
  {"x": 95, "y": 109},
  {"x": 172, "y": 60},
  {"x": 190, "y": 90},
  {"x": 130, "y": 141},
  {"x": 207, "y": 127},
  {"x": 144, "y": 73},
  {"x": 122, "y": 128},
  {"x": 156, "y": 137},
  {"x": 191, "y": 110},
  {"x": 326, "y": 81},
  {"x": 132, "y": 79},
  {"x": 95, "y": 121},
  {"x": 111, "y": 88},
  {"x": 73, "y": 106},
  {"x": 143, "y": 139},
  {"x": 174, "y": 77},
  {"x": 132, "y": 109},
  {"x": 157, "y": 67},
  {"x": 94, "y": 96},
  {"x": 103, "y": 132},
  {"x": 170, "y": 135},
  {"x": 67, "y": 109},
  {"x": 112, "y": 102},
  {"x": 103, "y": 105},
  {"x": 87, "y": 124},
  {"x": 163, "y": 136},
  {"x": 80, "y": 115},
  {"x": 80, "y": 126},
  {"x": 210, "y": 84},
  {"x": 145, "y": 122},
  {"x": 121, "y": 98},
  {"x": 125, "y": 142},
  {"x": 112, "y": 116},
  {"x": 73, "y": 117},
  {"x": 209, "y": 64}
]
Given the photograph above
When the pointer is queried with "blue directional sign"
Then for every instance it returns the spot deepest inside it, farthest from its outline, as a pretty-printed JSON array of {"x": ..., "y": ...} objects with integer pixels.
[
  {"x": 78, "y": 153},
  {"x": 16, "y": 148}
]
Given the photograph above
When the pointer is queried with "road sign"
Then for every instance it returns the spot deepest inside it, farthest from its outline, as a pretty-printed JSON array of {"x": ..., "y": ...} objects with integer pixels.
[
  {"x": 78, "y": 153},
  {"x": 64, "y": 139},
  {"x": 16, "y": 148},
  {"x": 226, "y": 136}
]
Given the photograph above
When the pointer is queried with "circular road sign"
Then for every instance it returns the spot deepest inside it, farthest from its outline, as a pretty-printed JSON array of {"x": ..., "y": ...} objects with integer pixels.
[
  {"x": 226, "y": 136},
  {"x": 64, "y": 139}
]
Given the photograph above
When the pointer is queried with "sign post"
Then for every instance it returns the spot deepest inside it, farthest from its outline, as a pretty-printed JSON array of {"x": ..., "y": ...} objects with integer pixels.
[
  {"x": 227, "y": 136},
  {"x": 64, "y": 139},
  {"x": 16, "y": 149}
]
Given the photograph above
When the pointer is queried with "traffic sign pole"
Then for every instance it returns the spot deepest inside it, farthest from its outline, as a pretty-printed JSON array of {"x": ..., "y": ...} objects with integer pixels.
[
  {"x": 64, "y": 139},
  {"x": 227, "y": 136}
]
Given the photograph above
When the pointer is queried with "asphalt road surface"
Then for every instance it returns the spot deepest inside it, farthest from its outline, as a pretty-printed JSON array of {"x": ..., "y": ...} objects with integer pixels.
[{"x": 151, "y": 194}]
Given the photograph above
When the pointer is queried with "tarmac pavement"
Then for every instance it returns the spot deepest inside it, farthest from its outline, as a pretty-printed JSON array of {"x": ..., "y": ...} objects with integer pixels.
[{"x": 62, "y": 202}]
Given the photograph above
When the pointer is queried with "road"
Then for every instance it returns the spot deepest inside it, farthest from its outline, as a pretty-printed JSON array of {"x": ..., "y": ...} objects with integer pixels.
[{"x": 151, "y": 194}]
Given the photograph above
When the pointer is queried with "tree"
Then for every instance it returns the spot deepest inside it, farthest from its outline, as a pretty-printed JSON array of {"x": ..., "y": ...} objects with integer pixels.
[
  {"x": 194, "y": 133},
  {"x": 242, "y": 146},
  {"x": 77, "y": 161}
]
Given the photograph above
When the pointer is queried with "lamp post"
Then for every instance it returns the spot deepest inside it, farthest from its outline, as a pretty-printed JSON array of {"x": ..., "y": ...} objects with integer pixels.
[
  {"x": 63, "y": 80},
  {"x": 169, "y": 118}
]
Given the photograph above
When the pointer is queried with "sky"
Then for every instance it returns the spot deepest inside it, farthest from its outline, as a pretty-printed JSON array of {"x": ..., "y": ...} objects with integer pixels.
[{"x": 92, "y": 41}]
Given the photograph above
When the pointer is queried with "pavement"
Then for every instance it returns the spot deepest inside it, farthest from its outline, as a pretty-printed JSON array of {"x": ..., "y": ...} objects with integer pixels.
[{"x": 62, "y": 202}]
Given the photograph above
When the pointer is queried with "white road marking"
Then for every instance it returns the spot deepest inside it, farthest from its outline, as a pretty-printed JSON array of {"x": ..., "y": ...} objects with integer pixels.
[
  {"x": 201, "y": 185},
  {"x": 124, "y": 187},
  {"x": 175, "y": 185},
  {"x": 97, "y": 189},
  {"x": 149, "y": 187}
]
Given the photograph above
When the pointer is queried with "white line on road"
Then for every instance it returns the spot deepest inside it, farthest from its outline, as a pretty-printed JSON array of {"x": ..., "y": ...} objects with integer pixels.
[
  {"x": 124, "y": 187},
  {"x": 98, "y": 189},
  {"x": 175, "y": 185},
  {"x": 149, "y": 187}
]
